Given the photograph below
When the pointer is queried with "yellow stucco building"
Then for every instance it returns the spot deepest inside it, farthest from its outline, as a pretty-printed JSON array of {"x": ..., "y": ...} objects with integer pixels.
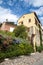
[
  {"x": 42, "y": 35},
  {"x": 33, "y": 24}
]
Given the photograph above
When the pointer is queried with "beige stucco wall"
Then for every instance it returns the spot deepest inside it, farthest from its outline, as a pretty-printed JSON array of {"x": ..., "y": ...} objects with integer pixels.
[
  {"x": 25, "y": 18},
  {"x": 42, "y": 34}
]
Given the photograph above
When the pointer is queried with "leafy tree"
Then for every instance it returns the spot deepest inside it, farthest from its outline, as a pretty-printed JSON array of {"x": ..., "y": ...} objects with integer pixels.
[
  {"x": 20, "y": 31},
  {"x": 7, "y": 34}
]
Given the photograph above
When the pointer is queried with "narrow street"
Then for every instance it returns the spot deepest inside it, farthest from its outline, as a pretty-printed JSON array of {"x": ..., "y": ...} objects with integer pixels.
[
  {"x": 40, "y": 62},
  {"x": 39, "y": 59}
]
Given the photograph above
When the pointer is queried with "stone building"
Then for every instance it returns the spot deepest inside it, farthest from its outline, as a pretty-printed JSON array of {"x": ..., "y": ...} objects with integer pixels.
[
  {"x": 8, "y": 26},
  {"x": 42, "y": 34},
  {"x": 33, "y": 25}
]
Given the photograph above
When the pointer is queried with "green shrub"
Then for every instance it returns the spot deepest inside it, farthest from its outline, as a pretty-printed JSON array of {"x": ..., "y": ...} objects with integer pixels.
[
  {"x": 26, "y": 48},
  {"x": 39, "y": 49},
  {"x": 42, "y": 47},
  {"x": 17, "y": 50},
  {"x": 20, "y": 31},
  {"x": 6, "y": 34},
  {"x": 2, "y": 55}
]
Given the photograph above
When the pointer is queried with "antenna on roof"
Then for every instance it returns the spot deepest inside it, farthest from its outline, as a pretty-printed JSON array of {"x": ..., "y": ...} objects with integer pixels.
[{"x": 6, "y": 20}]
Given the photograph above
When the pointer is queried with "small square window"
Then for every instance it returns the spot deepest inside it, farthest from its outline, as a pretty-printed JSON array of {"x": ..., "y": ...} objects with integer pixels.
[
  {"x": 35, "y": 21},
  {"x": 29, "y": 20},
  {"x": 23, "y": 16},
  {"x": 22, "y": 22}
]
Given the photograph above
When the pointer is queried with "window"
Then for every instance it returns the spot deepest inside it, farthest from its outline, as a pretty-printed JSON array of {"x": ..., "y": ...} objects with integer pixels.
[
  {"x": 35, "y": 21},
  {"x": 29, "y": 20},
  {"x": 21, "y": 22},
  {"x": 11, "y": 29},
  {"x": 23, "y": 16}
]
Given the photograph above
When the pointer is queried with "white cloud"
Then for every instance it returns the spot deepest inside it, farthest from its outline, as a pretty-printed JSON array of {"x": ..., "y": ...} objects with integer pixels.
[
  {"x": 38, "y": 3},
  {"x": 1, "y": 1},
  {"x": 38, "y": 11},
  {"x": 41, "y": 19},
  {"x": 35, "y": 3},
  {"x": 11, "y": 2},
  {"x": 26, "y": 1},
  {"x": 6, "y": 14}
]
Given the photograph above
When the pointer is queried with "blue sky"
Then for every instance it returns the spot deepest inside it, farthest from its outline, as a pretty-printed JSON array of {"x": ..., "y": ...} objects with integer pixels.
[{"x": 13, "y": 9}]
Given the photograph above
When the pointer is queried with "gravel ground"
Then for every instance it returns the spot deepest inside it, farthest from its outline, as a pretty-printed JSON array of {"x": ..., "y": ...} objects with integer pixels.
[{"x": 24, "y": 60}]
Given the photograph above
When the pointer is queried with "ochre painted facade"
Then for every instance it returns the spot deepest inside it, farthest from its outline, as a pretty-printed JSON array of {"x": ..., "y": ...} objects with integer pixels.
[
  {"x": 32, "y": 22},
  {"x": 42, "y": 35}
]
